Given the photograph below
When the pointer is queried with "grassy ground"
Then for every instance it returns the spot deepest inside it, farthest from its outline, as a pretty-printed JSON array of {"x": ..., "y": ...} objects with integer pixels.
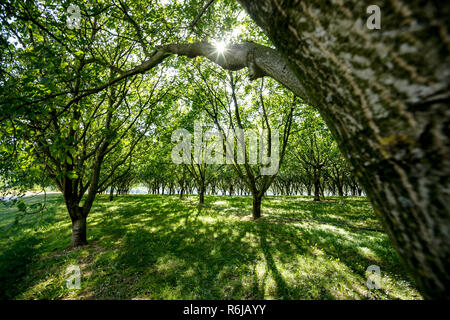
[{"x": 158, "y": 247}]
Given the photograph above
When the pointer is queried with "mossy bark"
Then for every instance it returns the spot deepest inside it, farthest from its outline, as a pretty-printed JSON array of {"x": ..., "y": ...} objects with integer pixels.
[{"x": 385, "y": 96}]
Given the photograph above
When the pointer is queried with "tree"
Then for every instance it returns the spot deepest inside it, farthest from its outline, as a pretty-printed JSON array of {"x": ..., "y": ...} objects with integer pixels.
[
  {"x": 200, "y": 169},
  {"x": 338, "y": 172},
  {"x": 385, "y": 99},
  {"x": 65, "y": 126},
  {"x": 313, "y": 148},
  {"x": 231, "y": 118}
]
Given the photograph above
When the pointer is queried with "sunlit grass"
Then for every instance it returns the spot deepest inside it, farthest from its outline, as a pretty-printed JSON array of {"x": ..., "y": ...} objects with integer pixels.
[{"x": 160, "y": 247}]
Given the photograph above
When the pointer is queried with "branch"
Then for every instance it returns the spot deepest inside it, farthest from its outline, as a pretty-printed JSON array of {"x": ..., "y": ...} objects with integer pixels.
[
  {"x": 200, "y": 14},
  {"x": 260, "y": 60}
]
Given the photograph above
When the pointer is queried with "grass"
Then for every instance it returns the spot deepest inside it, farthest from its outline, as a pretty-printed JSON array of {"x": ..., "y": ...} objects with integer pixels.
[{"x": 160, "y": 247}]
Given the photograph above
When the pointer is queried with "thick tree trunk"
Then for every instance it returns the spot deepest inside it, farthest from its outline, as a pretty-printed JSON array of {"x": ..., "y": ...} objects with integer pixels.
[
  {"x": 202, "y": 195},
  {"x": 316, "y": 189},
  {"x": 384, "y": 94},
  {"x": 340, "y": 190},
  {"x": 256, "y": 212},
  {"x": 78, "y": 232},
  {"x": 111, "y": 194}
]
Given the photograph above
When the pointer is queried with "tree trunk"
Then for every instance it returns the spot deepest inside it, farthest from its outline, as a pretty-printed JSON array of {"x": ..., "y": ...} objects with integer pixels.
[
  {"x": 340, "y": 190},
  {"x": 322, "y": 190},
  {"x": 256, "y": 212},
  {"x": 202, "y": 195},
  {"x": 386, "y": 101},
  {"x": 78, "y": 232},
  {"x": 181, "y": 193},
  {"x": 316, "y": 189},
  {"x": 111, "y": 194}
]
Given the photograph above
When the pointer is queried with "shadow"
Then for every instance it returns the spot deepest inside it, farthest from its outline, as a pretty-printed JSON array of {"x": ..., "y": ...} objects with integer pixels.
[
  {"x": 14, "y": 263},
  {"x": 192, "y": 252},
  {"x": 194, "y": 259},
  {"x": 281, "y": 284},
  {"x": 160, "y": 247}
]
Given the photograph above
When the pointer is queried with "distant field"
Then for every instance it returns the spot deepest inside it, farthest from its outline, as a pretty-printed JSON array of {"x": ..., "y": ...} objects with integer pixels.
[{"x": 160, "y": 247}]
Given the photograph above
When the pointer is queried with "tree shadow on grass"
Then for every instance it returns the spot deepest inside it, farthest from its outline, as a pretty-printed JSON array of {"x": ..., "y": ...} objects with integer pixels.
[
  {"x": 356, "y": 212},
  {"x": 190, "y": 255},
  {"x": 20, "y": 247},
  {"x": 281, "y": 288},
  {"x": 195, "y": 261},
  {"x": 192, "y": 252},
  {"x": 348, "y": 247},
  {"x": 14, "y": 263},
  {"x": 177, "y": 252},
  {"x": 163, "y": 248}
]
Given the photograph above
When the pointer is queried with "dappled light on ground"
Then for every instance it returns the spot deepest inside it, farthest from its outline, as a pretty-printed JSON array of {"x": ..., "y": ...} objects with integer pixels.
[{"x": 160, "y": 247}]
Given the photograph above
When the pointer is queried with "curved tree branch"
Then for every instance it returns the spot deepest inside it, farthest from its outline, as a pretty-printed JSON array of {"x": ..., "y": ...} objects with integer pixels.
[{"x": 260, "y": 60}]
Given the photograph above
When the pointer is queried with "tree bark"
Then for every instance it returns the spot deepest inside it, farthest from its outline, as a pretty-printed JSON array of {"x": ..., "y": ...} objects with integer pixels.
[
  {"x": 111, "y": 193},
  {"x": 316, "y": 189},
  {"x": 202, "y": 195},
  {"x": 78, "y": 232},
  {"x": 340, "y": 190},
  {"x": 260, "y": 60},
  {"x": 181, "y": 193},
  {"x": 385, "y": 96},
  {"x": 256, "y": 212}
]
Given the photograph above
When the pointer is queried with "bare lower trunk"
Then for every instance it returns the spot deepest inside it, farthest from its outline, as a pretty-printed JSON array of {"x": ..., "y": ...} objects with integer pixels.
[
  {"x": 317, "y": 190},
  {"x": 202, "y": 196},
  {"x": 181, "y": 193},
  {"x": 256, "y": 212},
  {"x": 340, "y": 191},
  {"x": 111, "y": 194},
  {"x": 78, "y": 232}
]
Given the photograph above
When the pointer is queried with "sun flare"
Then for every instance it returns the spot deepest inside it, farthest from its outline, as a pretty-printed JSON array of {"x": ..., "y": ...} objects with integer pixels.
[{"x": 221, "y": 46}]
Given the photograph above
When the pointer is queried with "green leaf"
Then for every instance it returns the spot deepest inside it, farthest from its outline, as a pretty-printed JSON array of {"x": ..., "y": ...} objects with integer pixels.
[{"x": 72, "y": 175}]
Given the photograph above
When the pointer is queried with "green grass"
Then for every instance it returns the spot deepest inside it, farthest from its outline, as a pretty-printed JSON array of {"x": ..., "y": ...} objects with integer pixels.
[{"x": 160, "y": 247}]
